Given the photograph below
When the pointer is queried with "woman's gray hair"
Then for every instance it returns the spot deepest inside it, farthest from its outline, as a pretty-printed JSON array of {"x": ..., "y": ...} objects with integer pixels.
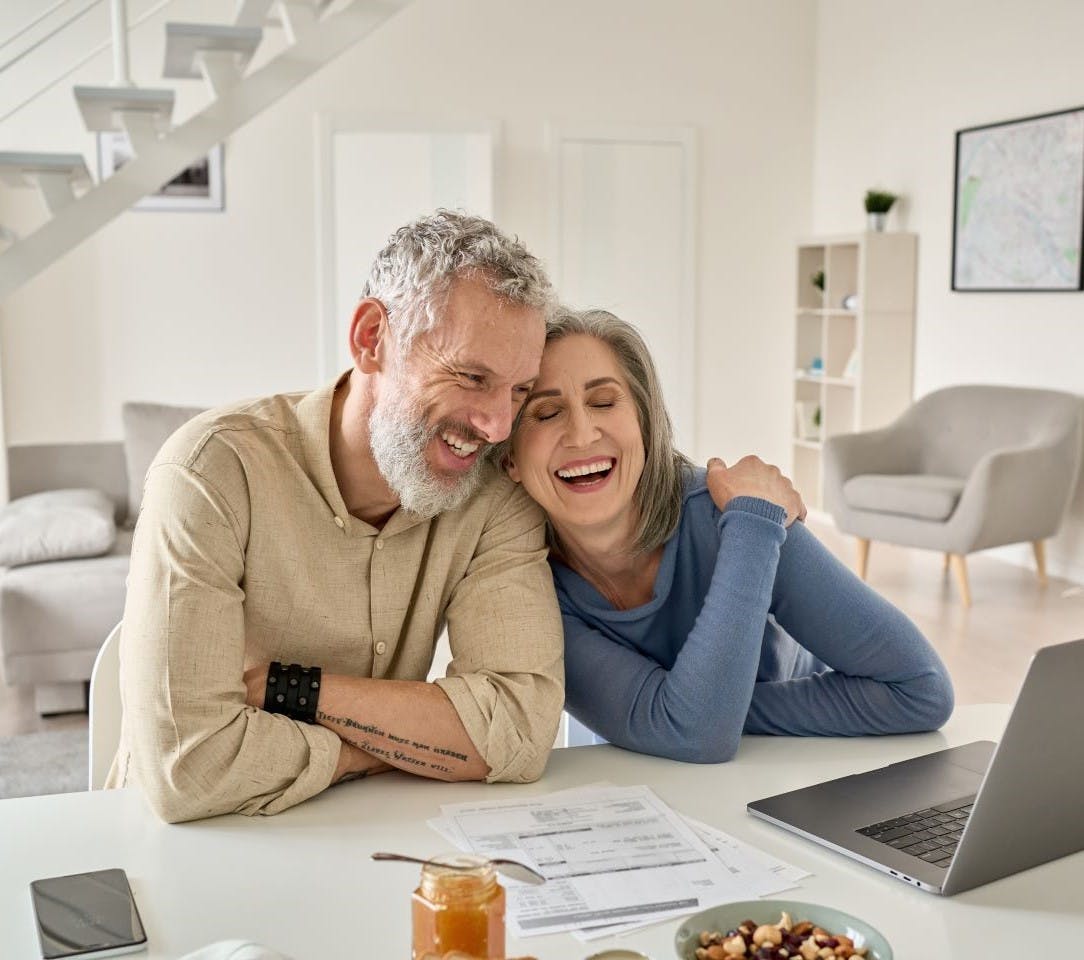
[
  {"x": 412, "y": 275},
  {"x": 661, "y": 489}
]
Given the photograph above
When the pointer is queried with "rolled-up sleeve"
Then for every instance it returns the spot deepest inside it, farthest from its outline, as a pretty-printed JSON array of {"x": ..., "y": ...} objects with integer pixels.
[
  {"x": 506, "y": 678},
  {"x": 195, "y": 748}
]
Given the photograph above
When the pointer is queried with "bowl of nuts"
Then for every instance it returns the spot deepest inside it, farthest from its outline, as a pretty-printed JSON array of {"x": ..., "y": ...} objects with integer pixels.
[{"x": 778, "y": 930}]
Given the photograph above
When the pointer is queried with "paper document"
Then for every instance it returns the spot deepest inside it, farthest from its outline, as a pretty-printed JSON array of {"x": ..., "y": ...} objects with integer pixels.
[
  {"x": 759, "y": 875},
  {"x": 609, "y": 854}
]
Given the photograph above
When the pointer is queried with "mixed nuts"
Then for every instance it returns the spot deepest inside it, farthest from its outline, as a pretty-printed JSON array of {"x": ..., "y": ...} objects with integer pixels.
[{"x": 785, "y": 940}]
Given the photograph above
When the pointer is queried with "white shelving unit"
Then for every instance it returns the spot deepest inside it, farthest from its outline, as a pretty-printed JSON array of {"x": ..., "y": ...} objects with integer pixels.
[{"x": 865, "y": 350}]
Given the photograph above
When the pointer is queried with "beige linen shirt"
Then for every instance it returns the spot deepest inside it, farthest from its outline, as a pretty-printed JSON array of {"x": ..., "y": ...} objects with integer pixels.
[{"x": 244, "y": 553}]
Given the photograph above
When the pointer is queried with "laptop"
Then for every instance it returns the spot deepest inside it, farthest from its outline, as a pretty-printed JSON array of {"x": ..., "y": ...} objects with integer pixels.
[{"x": 958, "y": 818}]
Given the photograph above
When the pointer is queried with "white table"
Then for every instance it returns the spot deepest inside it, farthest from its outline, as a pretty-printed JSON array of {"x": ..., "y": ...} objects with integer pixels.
[{"x": 303, "y": 883}]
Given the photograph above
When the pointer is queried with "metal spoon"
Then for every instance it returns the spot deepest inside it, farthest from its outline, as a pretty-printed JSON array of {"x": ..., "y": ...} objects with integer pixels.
[{"x": 509, "y": 868}]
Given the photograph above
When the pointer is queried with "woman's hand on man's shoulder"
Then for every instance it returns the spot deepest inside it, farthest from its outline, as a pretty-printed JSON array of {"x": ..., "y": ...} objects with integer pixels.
[{"x": 752, "y": 477}]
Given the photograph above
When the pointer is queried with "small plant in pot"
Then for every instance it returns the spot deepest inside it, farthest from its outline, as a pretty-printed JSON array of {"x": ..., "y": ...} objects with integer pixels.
[{"x": 878, "y": 203}]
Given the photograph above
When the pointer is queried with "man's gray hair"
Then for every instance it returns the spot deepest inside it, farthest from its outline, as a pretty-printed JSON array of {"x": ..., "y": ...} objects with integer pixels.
[
  {"x": 412, "y": 275},
  {"x": 661, "y": 489}
]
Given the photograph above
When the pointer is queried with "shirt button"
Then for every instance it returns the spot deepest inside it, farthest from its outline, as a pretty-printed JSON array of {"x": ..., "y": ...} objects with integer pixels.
[
  {"x": 379, "y": 544},
  {"x": 381, "y": 647},
  {"x": 340, "y": 523}
]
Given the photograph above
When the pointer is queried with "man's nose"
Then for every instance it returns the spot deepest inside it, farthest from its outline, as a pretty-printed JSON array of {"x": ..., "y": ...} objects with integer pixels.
[{"x": 492, "y": 416}]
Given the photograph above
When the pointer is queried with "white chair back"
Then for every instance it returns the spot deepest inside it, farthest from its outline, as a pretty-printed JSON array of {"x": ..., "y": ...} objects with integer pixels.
[{"x": 105, "y": 709}]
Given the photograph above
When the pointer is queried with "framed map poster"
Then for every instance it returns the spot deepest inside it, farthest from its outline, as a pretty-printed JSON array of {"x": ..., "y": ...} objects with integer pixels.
[{"x": 1018, "y": 216}]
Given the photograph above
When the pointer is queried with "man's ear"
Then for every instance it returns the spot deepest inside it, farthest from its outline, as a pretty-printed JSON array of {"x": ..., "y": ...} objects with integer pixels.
[{"x": 369, "y": 336}]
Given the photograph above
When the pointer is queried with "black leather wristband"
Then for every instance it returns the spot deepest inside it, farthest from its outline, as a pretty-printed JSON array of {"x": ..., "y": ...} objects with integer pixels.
[{"x": 292, "y": 690}]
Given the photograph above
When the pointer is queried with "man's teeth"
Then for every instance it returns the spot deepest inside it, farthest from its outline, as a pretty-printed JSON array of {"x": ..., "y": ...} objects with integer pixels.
[
  {"x": 460, "y": 447},
  {"x": 596, "y": 466}
]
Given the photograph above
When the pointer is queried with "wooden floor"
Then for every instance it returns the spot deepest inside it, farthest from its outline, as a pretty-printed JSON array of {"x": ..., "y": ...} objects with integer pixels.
[{"x": 986, "y": 647}]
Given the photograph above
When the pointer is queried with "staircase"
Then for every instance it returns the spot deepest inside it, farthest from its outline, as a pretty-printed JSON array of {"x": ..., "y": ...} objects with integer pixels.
[{"x": 217, "y": 54}]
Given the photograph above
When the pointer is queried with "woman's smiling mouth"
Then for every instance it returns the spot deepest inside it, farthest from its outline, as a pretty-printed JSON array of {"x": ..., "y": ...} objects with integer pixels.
[{"x": 586, "y": 474}]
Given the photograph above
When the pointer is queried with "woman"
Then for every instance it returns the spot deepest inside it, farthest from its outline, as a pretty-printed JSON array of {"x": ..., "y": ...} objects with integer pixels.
[{"x": 695, "y": 607}]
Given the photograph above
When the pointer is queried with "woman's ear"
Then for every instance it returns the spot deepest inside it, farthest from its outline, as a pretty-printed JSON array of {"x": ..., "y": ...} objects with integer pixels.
[{"x": 510, "y": 468}]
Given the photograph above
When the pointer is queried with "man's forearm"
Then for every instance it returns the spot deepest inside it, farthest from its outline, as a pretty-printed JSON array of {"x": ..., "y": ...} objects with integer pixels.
[
  {"x": 354, "y": 764},
  {"x": 407, "y": 724}
]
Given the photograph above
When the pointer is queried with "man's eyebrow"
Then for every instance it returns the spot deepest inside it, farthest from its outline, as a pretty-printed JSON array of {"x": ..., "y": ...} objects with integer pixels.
[{"x": 470, "y": 366}]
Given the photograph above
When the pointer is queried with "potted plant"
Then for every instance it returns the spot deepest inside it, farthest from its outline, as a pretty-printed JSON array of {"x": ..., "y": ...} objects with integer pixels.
[{"x": 878, "y": 203}]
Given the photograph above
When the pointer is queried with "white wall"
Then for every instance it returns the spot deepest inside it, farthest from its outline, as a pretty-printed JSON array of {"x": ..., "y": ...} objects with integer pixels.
[
  {"x": 894, "y": 82},
  {"x": 205, "y": 308}
]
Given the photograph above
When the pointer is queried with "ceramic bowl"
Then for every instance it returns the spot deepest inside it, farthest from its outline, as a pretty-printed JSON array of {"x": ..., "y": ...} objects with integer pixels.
[{"x": 727, "y": 916}]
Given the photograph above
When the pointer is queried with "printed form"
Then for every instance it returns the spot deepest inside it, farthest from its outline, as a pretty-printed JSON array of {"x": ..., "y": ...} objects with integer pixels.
[{"x": 610, "y": 855}]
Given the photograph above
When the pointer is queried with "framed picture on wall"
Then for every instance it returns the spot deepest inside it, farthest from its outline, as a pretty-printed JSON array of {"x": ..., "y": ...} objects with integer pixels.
[
  {"x": 1018, "y": 216},
  {"x": 199, "y": 186}
]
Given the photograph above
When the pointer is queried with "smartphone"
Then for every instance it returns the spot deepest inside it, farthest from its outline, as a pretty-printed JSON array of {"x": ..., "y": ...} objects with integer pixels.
[{"x": 87, "y": 915}]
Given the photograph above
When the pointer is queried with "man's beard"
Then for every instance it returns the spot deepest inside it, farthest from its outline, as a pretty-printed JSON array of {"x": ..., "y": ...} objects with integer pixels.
[{"x": 399, "y": 437}]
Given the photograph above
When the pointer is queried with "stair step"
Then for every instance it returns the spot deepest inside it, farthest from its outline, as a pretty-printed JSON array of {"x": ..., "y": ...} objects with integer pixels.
[
  {"x": 20, "y": 169},
  {"x": 56, "y": 175},
  {"x": 255, "y": 13},
  {"x": 104, "y": 108},
  {"x": 185, "y": 42}
]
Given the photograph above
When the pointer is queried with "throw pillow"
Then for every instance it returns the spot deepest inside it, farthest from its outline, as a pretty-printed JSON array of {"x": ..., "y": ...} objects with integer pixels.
[
  {"x": 56, "y": 525},
  {"x": 146, "y": 427}
]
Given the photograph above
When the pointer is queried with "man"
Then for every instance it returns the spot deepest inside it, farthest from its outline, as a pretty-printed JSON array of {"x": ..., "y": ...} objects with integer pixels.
[{"x": 339, "y": 531}]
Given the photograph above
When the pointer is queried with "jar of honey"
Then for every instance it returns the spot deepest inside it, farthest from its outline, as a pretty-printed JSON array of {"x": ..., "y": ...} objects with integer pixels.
[{"x": 458, "y": 906}]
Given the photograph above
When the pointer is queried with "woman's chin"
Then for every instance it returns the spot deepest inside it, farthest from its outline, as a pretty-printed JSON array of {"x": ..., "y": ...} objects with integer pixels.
[{"x": 584, "y": 510}]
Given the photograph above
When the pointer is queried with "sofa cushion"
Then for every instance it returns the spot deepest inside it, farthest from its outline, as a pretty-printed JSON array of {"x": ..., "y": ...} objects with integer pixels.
[
  {"x": 146, "y": 427},
  {"x": 923, "y": 496},
  {"x": 56, "y": 525},
  {"x": 54, "y": 616}
]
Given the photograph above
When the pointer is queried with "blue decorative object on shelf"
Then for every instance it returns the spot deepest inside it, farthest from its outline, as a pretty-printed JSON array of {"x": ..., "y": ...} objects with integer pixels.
[{"x": 816, "y": 366}]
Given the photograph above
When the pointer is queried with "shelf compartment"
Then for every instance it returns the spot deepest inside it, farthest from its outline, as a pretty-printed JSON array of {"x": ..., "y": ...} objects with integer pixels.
[
  {"x": 840, "y": 341},
  {"x": 842, "y": 274},
  {"x": 810, "y": 260},
  {"x": 809, "y": 340},
  {"x": 838, "y": 413}
]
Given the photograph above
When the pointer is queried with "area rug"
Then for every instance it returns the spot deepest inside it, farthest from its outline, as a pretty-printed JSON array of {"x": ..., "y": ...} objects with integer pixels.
[{"x": 52, "y": 761}]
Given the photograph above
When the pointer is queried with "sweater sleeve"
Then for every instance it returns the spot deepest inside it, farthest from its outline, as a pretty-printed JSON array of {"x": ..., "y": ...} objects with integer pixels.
[
  {"x": 884, "y": 677},
  {"x": 695, "y": 710}
]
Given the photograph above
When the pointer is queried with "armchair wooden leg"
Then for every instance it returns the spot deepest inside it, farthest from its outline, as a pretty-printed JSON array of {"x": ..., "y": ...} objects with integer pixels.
[
  {"x": 1040, "y": 560},
  {"x": 862, "y": 563},
  {"x": 959, "y": 568}
]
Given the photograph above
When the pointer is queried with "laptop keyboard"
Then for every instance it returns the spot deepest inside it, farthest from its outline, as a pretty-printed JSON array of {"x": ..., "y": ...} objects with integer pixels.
[{"x": 931, "y": 834}]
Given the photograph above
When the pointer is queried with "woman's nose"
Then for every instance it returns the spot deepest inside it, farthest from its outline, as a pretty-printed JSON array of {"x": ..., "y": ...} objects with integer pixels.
[{"x": 581, "y": 427}]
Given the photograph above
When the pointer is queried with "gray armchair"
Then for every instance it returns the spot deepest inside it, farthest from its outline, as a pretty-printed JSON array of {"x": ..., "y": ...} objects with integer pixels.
[{"x": 964, "y": 469}]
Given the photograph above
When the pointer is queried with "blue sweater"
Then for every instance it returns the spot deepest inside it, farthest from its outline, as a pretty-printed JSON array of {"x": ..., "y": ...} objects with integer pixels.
[{"x": 753, "y": 627}]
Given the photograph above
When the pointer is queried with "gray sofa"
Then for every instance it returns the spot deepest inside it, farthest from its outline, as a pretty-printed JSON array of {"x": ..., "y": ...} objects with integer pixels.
[{"x": 55, "y": 615}]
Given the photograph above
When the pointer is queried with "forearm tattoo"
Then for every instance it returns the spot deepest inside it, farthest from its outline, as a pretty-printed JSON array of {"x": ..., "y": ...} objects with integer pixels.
[{"x": 395, "y": 756}]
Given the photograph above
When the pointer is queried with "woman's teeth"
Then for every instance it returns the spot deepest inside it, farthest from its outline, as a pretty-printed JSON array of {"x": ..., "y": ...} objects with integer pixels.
[
  {"x": 460, "y": 447},
  {"x": 596, "y": 466}
]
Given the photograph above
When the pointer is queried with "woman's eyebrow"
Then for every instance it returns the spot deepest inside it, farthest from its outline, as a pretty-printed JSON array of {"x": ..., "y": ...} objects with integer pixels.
[
  {"x": 589, "y": 385},
  {"x": 543, "y": 393}
]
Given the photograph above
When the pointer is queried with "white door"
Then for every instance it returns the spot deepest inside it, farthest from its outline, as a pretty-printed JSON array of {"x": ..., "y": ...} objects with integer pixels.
[{"x": 625, "y": 235}]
